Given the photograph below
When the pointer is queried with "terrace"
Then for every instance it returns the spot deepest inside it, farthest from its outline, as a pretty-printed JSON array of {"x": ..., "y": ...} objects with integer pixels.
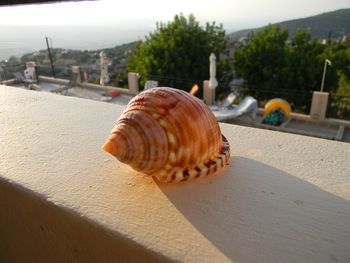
[{"x": 284, "y": 197}]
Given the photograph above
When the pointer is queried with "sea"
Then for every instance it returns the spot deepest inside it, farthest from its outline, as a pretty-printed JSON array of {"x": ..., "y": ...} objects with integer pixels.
[{"x": 19, "y": 40}]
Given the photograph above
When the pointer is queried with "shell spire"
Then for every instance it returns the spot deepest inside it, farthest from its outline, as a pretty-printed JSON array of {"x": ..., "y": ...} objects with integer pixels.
[{"x": 169, "y": 134}]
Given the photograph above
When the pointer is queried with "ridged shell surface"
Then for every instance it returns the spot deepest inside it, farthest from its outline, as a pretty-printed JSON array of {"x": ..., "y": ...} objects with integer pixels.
[{"x": 169, "y": 134}]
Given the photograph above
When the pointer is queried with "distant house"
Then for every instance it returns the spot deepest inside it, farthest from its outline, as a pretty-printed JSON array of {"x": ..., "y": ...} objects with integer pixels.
[
  {"x": 231, "y": 47},
  {"x": 243, "y": 40},
  {"x": 66, "y": 61}
]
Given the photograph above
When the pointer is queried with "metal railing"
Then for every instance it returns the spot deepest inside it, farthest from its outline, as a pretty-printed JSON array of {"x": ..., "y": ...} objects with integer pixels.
[
  {"x": 300, "y": 101},
  {"x": 180, "y": 83},
  {"x": 338, "y": 107}
]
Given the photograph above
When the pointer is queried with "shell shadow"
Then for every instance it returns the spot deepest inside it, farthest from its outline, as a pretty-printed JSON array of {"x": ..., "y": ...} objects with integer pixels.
[{"x": 254, "y": 212}]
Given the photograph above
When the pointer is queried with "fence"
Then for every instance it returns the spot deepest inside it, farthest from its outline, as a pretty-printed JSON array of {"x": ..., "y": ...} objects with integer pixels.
[
  {"x": 180, "y": 83},
  {"x": 300, "y": 101},
  {"x": 338, "y": 107}
]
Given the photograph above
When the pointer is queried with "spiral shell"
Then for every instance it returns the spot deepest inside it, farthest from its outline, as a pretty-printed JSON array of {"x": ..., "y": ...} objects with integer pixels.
[{"x": 169, "y": 134}]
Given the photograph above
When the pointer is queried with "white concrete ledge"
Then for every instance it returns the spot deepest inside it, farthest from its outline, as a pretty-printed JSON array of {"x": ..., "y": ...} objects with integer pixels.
[
  {"x": 37, "y": 230},
  {"x": 284, "y": 198},
  {"x": 86, "y": 85}
]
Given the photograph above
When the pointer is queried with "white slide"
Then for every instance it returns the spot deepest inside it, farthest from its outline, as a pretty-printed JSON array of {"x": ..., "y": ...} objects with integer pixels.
[{"x": 249, "y": 105}]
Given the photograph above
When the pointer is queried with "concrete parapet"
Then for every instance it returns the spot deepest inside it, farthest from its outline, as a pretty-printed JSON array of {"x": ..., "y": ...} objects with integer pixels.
[
  {"x": 319, "y": 105},
  {"x": 133, "y": 82},
  {"x": 208, "y": 93}
]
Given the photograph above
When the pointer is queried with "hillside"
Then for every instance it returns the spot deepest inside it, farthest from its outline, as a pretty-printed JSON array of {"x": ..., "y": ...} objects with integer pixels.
[
  {"x": 337, "y": 22},
  {"x": 64, "y": 59}
]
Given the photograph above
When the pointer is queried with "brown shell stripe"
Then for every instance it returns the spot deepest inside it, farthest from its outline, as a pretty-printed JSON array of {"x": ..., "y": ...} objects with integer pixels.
[{"x": 211, "y": 167}]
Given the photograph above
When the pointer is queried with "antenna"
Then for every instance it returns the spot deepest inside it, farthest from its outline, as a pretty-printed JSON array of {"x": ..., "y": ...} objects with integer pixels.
[
  {"x": 50, "y": 56},
  {"x": 329, "y": 37}
]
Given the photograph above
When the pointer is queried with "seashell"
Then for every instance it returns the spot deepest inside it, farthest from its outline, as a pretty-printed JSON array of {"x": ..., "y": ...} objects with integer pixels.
[{"x": 169, "y": 134}]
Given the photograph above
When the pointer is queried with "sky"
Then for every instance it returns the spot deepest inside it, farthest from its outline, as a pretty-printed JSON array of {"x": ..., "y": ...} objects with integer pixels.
[
  {"x": 106, "y": 23},
  {"x": 233, "y": 14}
]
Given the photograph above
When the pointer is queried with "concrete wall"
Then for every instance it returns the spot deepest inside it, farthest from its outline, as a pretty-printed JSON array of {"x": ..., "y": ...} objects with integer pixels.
[
  {"x": 37, "y": 230},
  {"x": 284, "y": 197},
  {"x": 319, "y": 105},
  {"x": 87, "y": 85}
]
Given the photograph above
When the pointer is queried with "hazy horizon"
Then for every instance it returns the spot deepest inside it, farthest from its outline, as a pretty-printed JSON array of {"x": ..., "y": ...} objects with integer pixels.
[
  {"x": 17, "y": 40},
  {"x": 233, "y": 14},
  {"x": 103, "y": 24}
]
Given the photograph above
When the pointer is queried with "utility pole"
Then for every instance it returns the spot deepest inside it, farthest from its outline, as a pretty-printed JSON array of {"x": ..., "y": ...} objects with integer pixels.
[
  {"x": 50, "y": 56},
  {"x": 326, "y": 62},
  {"x": 329, "y": 37}
]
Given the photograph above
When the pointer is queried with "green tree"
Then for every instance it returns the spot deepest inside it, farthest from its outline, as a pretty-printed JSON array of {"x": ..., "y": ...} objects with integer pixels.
[
  {"x": 338, "y": 74},
  {"x": 338, "y": 79},
  {"x": 305, "y": 65},
  {"x": 263, "y": 62},
  {"x": 273, "y": 66},
  {"x": 177, "y": 53}
]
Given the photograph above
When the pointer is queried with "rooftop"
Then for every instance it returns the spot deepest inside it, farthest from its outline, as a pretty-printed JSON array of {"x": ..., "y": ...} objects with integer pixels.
[
  {"x": 332, "y": 129},
  {"x": 85, "y": 90}
]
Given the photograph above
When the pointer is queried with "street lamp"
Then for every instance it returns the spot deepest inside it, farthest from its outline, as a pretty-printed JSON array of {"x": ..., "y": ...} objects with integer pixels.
[{"x": 326, "y": 62}]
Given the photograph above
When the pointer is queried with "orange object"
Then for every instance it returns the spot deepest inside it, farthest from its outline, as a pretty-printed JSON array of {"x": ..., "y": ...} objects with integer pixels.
[
  {"x": 113, "y": 93},
  {"x": 194, "y": 89}
]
